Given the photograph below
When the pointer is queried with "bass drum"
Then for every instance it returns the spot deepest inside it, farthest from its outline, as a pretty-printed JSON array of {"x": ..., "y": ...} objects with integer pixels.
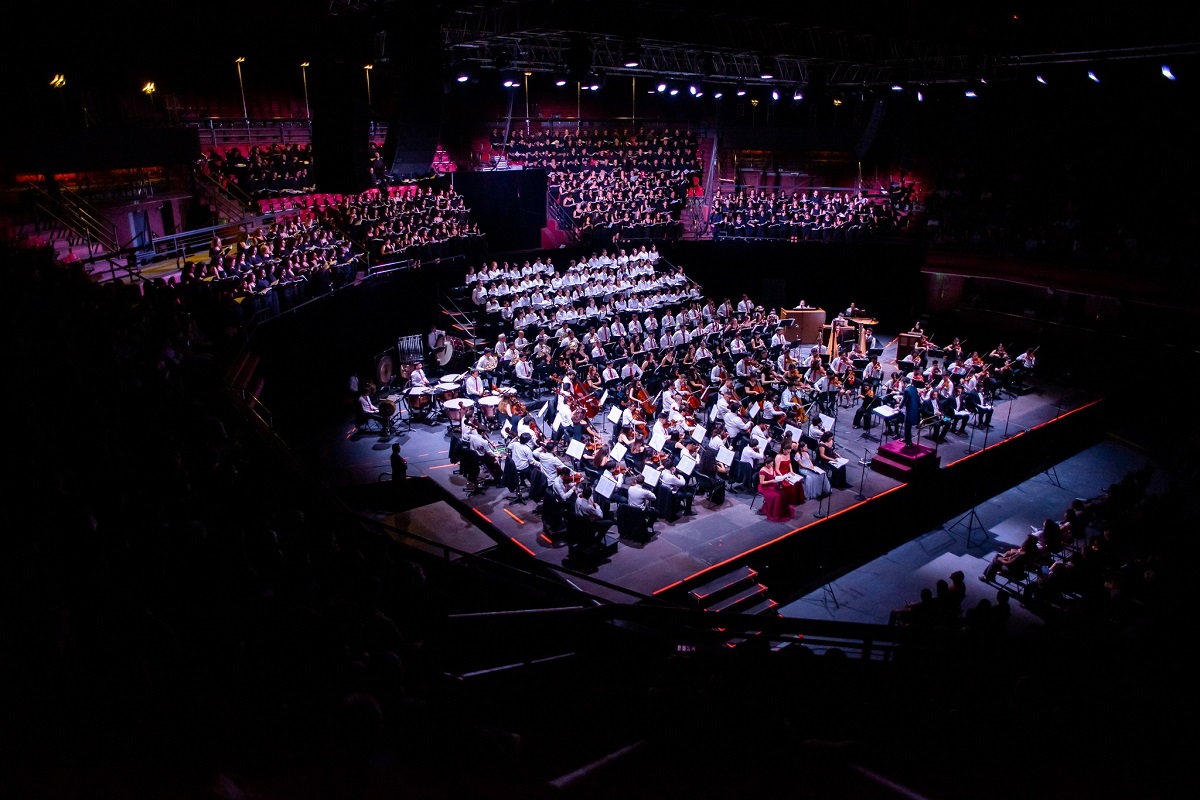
[{"x": 449, "y": 347}]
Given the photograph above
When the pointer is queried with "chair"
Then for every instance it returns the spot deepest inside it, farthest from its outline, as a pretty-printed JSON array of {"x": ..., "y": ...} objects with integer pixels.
[
  {"x": 757, "y": 496},
  {"x": 470, "y": 468},
  {"x": 362, "y": 422},
  {"x": 633, "y": 523}
]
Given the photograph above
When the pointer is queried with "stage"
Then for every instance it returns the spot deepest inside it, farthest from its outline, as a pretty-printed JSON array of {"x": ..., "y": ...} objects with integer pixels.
[{"x": 847, "y": 527}]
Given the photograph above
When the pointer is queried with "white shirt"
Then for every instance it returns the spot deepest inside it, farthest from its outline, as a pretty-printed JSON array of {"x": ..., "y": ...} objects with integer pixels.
[
  {"x": 642, "y": 497},
  {"x": 521, "y": 454}
]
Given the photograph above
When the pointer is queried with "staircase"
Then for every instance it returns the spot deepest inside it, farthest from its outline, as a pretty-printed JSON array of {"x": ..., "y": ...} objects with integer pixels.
[
  {"x": 227, "y": 202},
  {"x": 63, "y": 216},
  {"x": 738, "y": 591}
]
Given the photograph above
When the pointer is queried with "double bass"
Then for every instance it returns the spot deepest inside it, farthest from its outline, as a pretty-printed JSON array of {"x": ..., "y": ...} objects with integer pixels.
[{"x": 584, "y": 400}]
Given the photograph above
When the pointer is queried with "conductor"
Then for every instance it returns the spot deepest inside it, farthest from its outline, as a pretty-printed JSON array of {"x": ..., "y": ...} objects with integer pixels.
[{"x": 911, "y": 402}]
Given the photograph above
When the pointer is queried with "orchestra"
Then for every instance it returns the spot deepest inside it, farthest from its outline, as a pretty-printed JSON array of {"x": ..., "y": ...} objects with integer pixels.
[{"x": 651, "y": 374}]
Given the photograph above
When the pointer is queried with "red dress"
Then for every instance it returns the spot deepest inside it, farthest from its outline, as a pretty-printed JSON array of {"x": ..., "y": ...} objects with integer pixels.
[
  {"x": 775, "y": 506},
  {"x": 793, "y": 493}
]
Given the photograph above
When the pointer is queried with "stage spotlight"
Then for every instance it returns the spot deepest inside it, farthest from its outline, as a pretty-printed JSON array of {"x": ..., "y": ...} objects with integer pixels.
[
  {"x": 768, "y": 69},
  {"x": 920, "y": 97},
  {"x": 1166, "y": 71},
  {"x": 741, "y": 92},
  {"x": 463, "y": 77},
  {"x": 560, "y": 81},
  {"x": 897, "y": 87},
  {"x": 674, "y": 90},
  {"x": 1041, "y": 80},
  {"x": 774, "y": 94},
  {"x": 970, "y": 93},
  {"x": 692, "y": 89},
  {"x": 1092, "y": 77},
  {"x": 634, "y": 57},
  {"x": 797, "y": 94},
  {"x": 718, "y": 94},
  {"x": 662, "y": 87}
]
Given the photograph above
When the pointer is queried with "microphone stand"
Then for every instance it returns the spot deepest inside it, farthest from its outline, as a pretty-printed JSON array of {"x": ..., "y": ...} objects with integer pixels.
[
  {"x": 864, "y": 462},
  {"x": 1011, "y": 400}
]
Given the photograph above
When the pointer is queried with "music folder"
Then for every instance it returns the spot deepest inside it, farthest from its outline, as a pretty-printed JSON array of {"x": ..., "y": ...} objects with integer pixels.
[
  {"x": 651, "y": 476},
  {"x": 605, "y": 485}
]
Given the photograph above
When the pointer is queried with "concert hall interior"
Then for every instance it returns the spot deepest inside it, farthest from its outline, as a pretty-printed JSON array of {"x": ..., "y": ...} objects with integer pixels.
[{"x": 525, "y": 398}]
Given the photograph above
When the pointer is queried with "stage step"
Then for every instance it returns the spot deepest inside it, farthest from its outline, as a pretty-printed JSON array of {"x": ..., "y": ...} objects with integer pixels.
[
  {"x": 903, "y": 463},
  {"x": 739, "y": 601},
  {"x": 718, "y": 587}
]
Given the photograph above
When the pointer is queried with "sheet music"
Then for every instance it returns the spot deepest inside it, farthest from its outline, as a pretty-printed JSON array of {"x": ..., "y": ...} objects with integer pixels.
[
  {"x": 725, "y": 455},
  {"x": 792, "y": 477},
  {"x": 686, "y": 464},
  {"x": 754, "y": 409},
  {"x": 575, "y": 449},
  {"x": 657, "y": 442},
  {"x": 839, "y": 462},
  {"x": 614, "y": 415},
  {"x": 826, "y": 422},
  {"x": 605, "y": 485},
  {"x": 887, "y": 412},
  {"x": 794, "y": 432},
  {"x": 650, "y": 475},
  {"x": 604, "y": 397},
  {"x": 618, "y": 452},
  {"x": 698, "y": 434}
]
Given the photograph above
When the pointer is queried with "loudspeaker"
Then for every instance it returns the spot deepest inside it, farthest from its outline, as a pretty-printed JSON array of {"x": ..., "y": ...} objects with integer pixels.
[{"x": 341, "y": 128}]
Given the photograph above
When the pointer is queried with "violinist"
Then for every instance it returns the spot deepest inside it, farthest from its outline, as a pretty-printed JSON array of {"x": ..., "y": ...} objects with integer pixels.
[
  {"x": 1024, "y": 364},
  {"x": 595, "y": 518},
  {"x": 635, "y": 445},
  {"x": 547, "y": 461},
  {"x": 867, "y": 402},
  {"x": 849, "y": 391},
  {"x": 689, "y": 357},
  {"x": 737, "y": 422},
  {"x": 602, "y": 460},
  {"x": 680, "y": 488},
  {"x": 873, "y": 372}
]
